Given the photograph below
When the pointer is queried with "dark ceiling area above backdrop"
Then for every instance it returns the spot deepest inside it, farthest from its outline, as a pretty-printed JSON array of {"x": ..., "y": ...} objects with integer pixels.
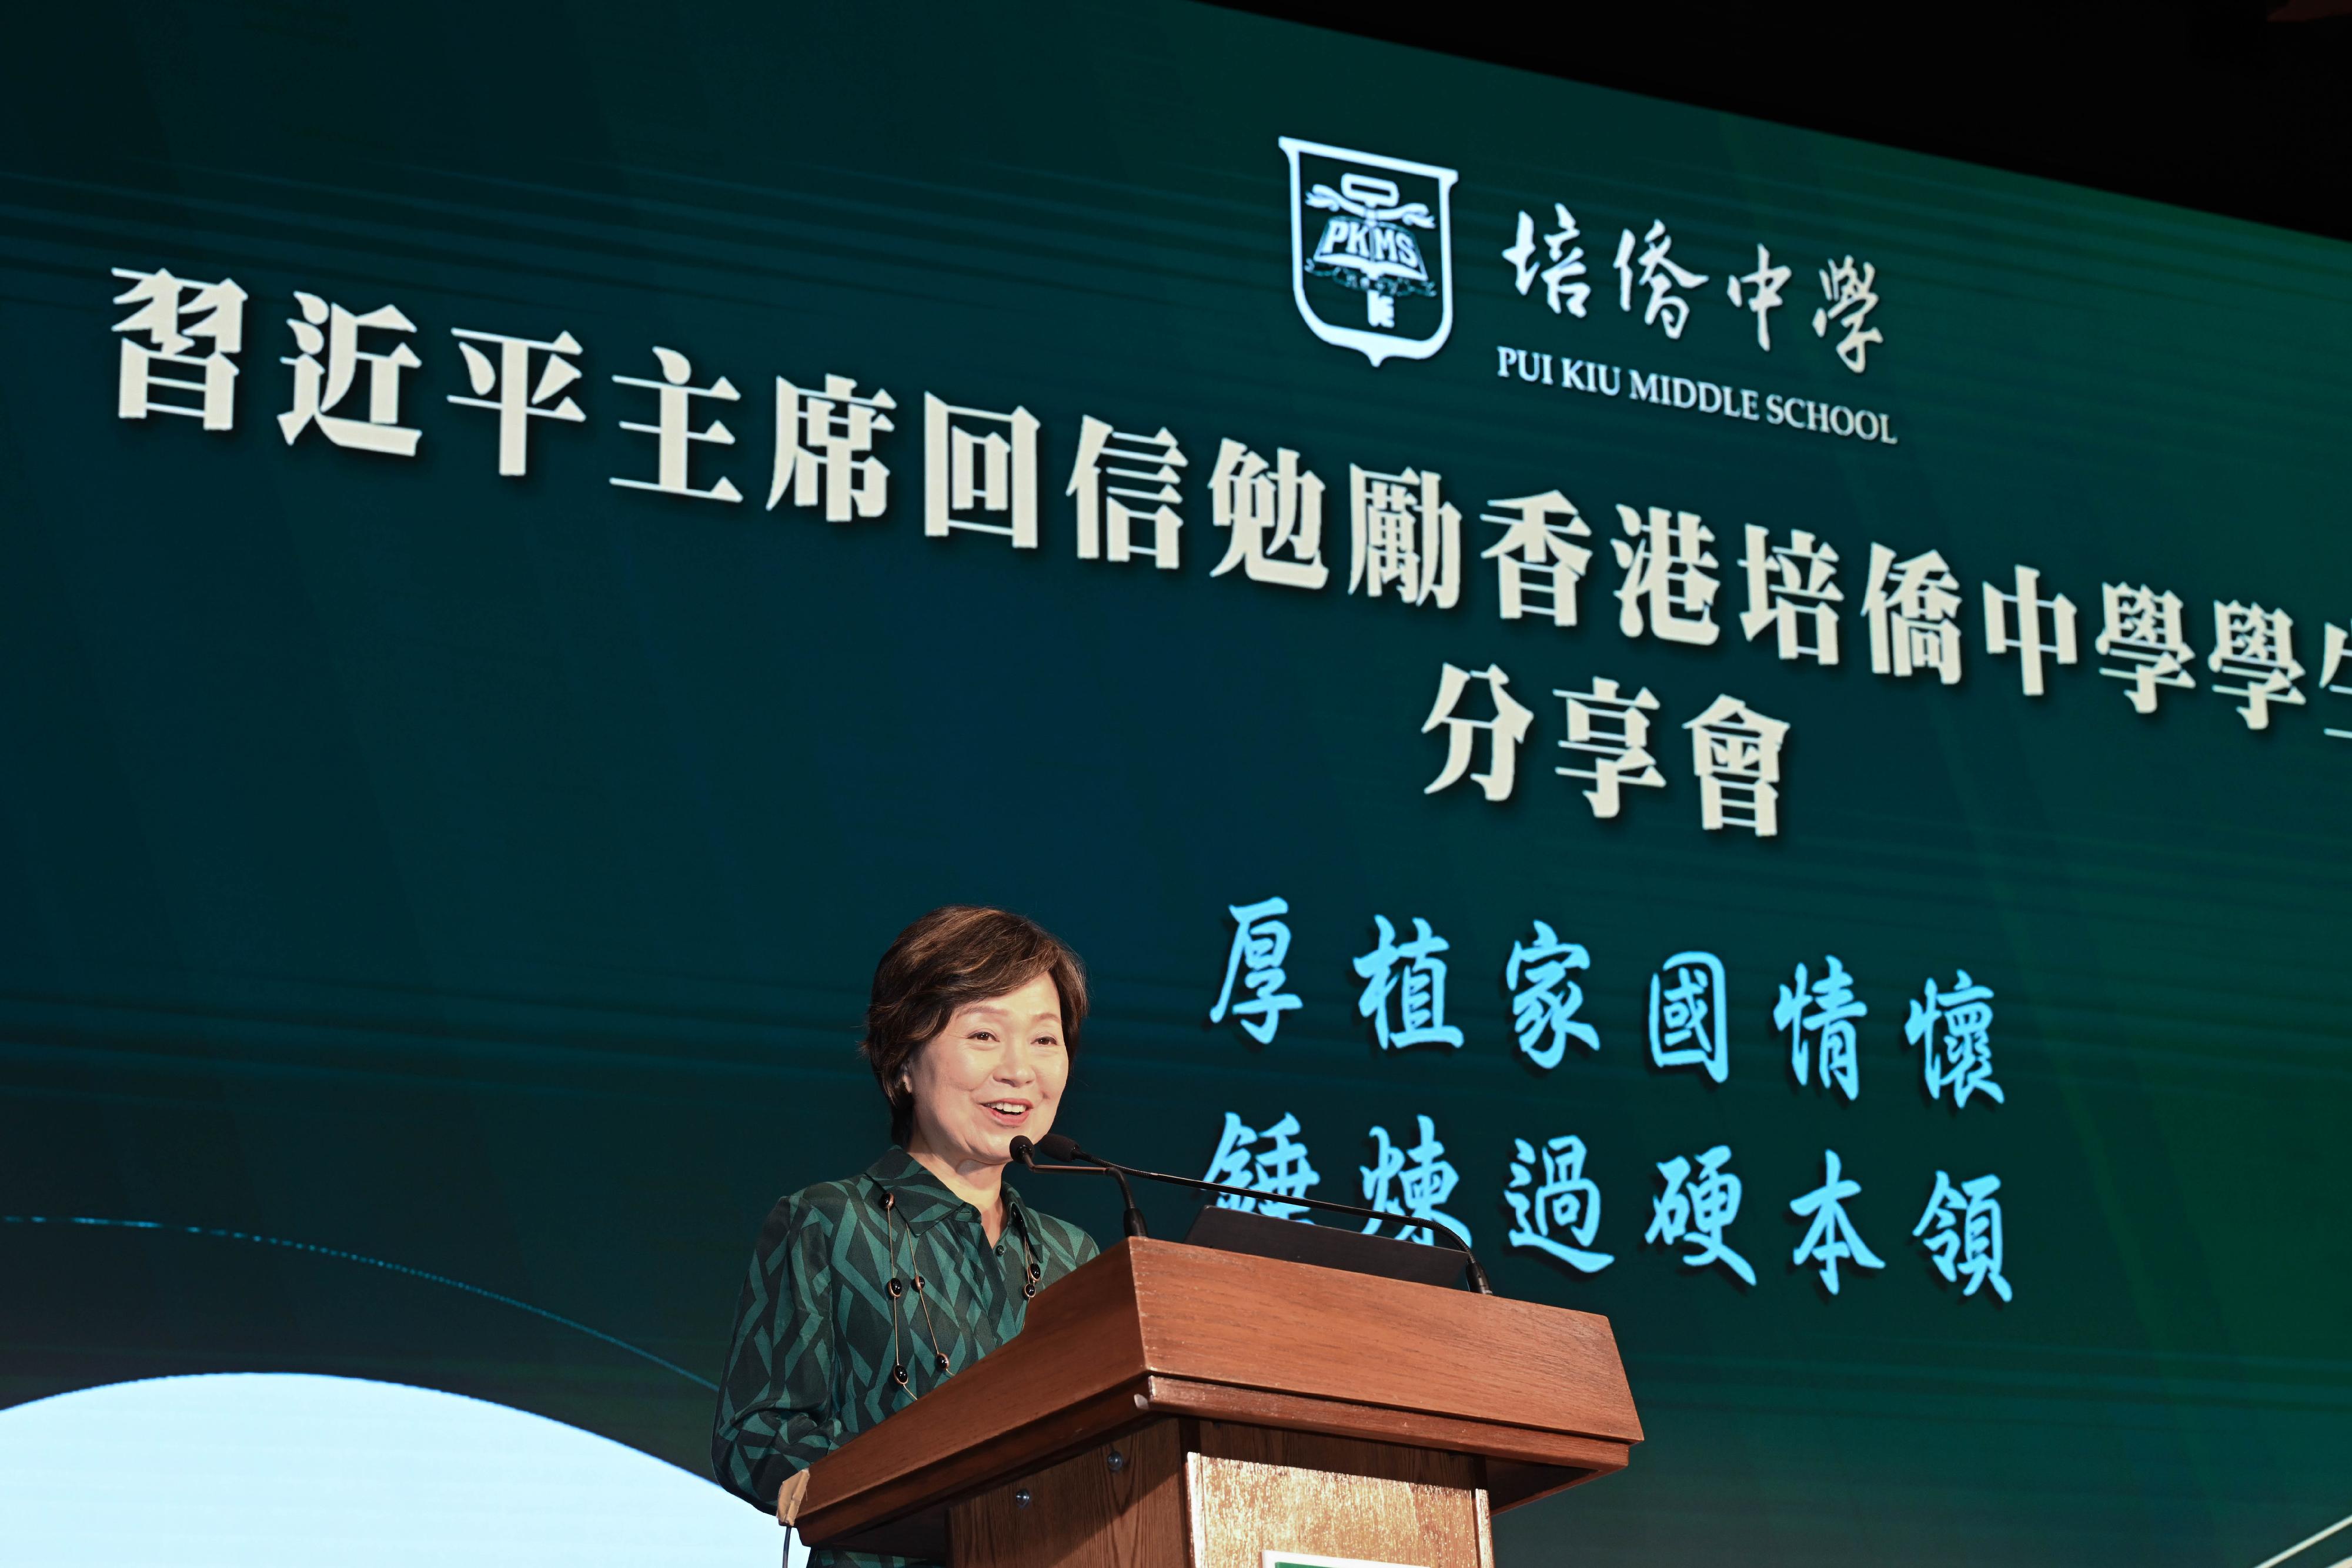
[{"x": 2239, "y": 107}]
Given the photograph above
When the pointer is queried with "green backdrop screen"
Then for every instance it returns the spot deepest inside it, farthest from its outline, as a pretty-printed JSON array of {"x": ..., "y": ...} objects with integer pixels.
[{"x": 532, "y": 545}]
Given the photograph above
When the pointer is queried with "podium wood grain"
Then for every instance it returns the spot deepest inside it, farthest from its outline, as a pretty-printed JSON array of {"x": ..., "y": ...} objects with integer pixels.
[
  {"x": 1534, "y": 1396},
  {"x": 1083, "y": 1513},
  {"x": 1232, "y": 1493},
  {"x": 1251, "y": 1489}
]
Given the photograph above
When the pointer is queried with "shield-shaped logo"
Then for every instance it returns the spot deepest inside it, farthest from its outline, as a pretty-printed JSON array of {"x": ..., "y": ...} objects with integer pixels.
[{"x": 1372, "y": 249}]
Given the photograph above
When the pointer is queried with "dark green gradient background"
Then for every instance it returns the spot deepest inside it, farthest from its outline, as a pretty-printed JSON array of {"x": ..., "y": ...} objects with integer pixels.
[{"x": 484, "y": 874}]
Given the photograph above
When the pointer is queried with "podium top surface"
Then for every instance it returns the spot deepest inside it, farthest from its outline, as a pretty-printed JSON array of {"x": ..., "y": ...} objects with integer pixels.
[{"x": 1156, "y": 1328}]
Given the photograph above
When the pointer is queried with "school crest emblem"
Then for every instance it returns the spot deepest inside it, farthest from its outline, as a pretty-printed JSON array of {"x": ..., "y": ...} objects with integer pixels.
[{"x": 1372, "y": 249}]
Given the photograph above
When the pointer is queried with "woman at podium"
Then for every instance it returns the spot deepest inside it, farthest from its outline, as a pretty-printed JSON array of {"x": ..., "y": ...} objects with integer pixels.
[{"x": 866, "y": 1293}]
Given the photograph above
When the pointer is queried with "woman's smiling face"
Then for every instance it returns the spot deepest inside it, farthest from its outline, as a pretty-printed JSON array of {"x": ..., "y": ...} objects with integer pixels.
[{"x": 994, "y": 1073}]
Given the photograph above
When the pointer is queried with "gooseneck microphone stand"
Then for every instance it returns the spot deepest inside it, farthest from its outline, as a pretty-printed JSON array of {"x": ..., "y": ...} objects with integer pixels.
[{"x": 1063, "y": 1148}]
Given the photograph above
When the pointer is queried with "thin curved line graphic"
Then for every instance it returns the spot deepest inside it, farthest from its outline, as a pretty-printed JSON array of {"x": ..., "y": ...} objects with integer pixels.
[
  {"x": 2309, "y": 1540},
  {"x": 212, "y": 1233}
]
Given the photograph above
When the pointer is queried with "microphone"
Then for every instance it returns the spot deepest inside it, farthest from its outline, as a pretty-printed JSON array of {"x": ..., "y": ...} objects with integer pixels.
[
  {"x": 1062, "y": 1148},
  {"x": 1058, "y": 1147}
]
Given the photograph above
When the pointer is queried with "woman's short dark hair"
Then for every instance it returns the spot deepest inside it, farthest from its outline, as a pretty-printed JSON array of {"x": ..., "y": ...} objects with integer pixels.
[{"x": 958, "y": 954}]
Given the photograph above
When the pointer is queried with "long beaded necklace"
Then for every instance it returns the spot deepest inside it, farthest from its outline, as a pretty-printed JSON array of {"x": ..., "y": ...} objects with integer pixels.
[{"x": 897, "y": 1291}]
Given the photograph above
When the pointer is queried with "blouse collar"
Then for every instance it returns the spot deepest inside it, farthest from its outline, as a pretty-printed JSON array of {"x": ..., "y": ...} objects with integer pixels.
[{"x": 922, "y": 1200}]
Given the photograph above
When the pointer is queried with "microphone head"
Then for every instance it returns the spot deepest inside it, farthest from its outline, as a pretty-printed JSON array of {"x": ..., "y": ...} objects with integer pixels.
[
  {"x": 1024, "y": 1151},
  {"x": 1056, "y": 1146}
]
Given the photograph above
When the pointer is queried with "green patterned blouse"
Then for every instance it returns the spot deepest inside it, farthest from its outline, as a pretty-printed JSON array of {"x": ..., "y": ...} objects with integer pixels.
[{"x": 832, "y": 1307}]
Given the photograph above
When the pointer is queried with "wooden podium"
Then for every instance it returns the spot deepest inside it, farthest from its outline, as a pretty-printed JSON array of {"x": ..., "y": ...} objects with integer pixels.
[{"x": 1175, "y": 1406}]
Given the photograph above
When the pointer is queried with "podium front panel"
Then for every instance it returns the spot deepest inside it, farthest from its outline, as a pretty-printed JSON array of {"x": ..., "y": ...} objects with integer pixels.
[
  {"x": 1204, "y": 1494},
  {"x": 1252, "y": 1490}
]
